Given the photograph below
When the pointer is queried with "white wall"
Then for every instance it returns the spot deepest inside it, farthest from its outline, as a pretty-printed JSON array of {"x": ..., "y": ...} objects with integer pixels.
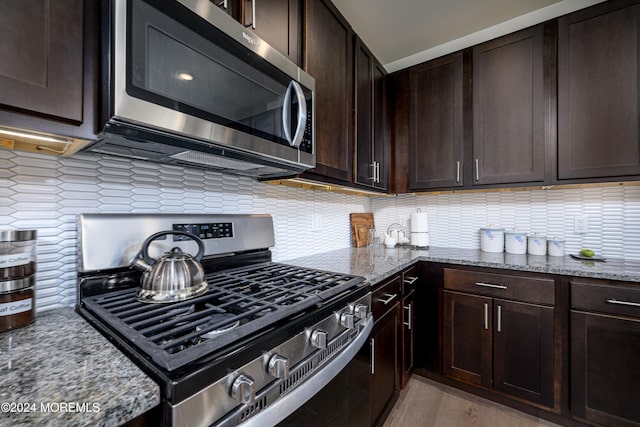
[
  {"x": 455, "y": 219},
  {"x": 46, "y": 193}
]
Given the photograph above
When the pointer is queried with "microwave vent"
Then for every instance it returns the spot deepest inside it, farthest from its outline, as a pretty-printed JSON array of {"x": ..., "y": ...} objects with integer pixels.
[{"x": 214, "y": 161}]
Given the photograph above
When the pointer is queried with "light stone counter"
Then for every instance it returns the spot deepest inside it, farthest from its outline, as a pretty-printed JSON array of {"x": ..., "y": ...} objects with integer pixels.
[
  {"x": 378, "y": 263},
  {"x": 59, "y": 371}
]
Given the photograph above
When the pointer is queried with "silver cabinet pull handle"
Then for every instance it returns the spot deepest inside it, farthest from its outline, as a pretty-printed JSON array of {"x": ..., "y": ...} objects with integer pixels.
[
  {"x": 499, "y": 318},
  {"x": 253, "y": 14},
  {"x": 490, "y": 285},
  {"x": 389, "y": 298},
  {"x": 410, "y": 280},
  {"x": 373, "y": 356},
  {"x": 486, "y": 315},
  {"x": 408, "y": 323},
  {"x": 224, "y": 4},
  {"x": 477, "y": 170},
  {"x": 373, "y": 172},
  {"x": 629, "y": 303},
  {"x": 458, "y": 171}
]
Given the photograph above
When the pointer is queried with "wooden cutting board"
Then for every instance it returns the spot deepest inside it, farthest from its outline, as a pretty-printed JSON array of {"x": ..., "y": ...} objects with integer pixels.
[{"x": 360, "y": 225}]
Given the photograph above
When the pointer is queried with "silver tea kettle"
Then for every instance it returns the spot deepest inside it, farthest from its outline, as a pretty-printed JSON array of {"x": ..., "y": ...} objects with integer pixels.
[{"x": 176, "y": 276}]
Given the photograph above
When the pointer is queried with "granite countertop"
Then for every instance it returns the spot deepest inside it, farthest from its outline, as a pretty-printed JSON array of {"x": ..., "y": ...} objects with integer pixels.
[
  {"x": 59, "y": 371},
  {"x": 378, "y": 263}
]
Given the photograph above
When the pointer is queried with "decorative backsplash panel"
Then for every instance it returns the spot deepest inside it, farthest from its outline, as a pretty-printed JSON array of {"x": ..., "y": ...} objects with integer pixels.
[
  {"x": 612, "y": 214},
  {"x": 46, "y": 193}
]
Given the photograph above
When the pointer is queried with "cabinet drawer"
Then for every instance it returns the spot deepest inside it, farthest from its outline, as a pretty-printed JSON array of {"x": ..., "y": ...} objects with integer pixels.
[
  {"x": 622, "y": 298},
  {"x": 385, "y": 297},
  {"x": 530, "y": 289}
]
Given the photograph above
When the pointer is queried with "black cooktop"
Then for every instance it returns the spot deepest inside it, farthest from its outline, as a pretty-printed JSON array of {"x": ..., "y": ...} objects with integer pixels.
[{"x": 239, "y": 302}]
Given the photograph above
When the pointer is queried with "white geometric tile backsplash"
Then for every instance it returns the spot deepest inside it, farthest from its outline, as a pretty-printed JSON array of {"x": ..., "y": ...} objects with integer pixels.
[
  {"x": 455, "y": 219},
  {"x": 46, "y": 193}
]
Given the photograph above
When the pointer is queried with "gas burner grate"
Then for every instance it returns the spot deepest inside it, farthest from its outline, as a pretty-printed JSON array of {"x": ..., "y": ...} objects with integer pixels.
[{"x": 239, "y": 302}]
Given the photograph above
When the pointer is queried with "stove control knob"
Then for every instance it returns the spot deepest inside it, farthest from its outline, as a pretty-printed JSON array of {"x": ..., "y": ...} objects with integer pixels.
[
  {"x": 278, "y": 367},
  {"x": 243, "y": 390},
  {"x": 347, "y": 320},
  {"x": 361, "y": 311},
  {"x": 319, "y": 339}
]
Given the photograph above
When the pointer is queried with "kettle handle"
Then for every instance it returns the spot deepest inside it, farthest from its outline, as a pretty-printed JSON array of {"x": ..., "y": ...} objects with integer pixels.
[{"x": 144, "y": 252}]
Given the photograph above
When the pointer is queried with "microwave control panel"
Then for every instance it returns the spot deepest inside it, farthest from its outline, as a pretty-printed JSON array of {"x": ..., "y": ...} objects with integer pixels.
[{"x": 217, "y": 230}]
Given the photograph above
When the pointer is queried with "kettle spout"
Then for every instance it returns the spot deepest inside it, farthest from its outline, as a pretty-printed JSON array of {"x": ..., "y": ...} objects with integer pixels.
[{"x": 140, "y": 264}]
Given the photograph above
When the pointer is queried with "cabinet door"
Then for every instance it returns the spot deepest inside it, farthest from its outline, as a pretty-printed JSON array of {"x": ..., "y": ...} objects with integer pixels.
[
  {"x": 371, "y": 130},
  {"x": 365, "y": 167},
  {"x": 509, "y": 144},
  {"x": 328, "y": 58},
  {"x": 380, "y": 130},
  {"x": 605, "y": 368},
  {"x": 436, "y": 124},
  {"x": 277, "y": 22},
  {"x": 467, "y": 338},
  {"x": 598, "y": 92},
  {"x": 384, "y": 361},
  {"x": 41, "y": 71},
  {"x": 523, "y": 350},
  {"x": 406, "y": 346}
]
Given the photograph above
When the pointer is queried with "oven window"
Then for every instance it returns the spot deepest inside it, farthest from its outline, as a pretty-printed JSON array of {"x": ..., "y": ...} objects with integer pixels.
[{"x": 212, "y": 78}]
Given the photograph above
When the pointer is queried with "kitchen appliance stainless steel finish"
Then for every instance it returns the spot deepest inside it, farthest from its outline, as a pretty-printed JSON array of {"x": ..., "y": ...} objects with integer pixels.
[
  {"x": 174, "y": 277},
  {"x": 263, "y": 339},
  {"x": 189, "y": 85}
]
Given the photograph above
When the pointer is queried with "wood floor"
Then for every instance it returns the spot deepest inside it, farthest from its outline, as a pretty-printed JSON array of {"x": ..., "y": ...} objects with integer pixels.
[{"x": 425, "y": 403}]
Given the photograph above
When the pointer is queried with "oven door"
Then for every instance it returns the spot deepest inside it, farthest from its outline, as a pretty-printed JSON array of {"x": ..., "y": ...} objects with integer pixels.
[{"x": 344, "y": 402}]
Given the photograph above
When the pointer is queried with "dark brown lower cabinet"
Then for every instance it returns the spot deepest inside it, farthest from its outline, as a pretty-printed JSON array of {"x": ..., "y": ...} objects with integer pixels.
[
  {"x": 523, "y": 350},
  {"x": 500, "y": 344},
  {"x": 467, "y": 338},
  {"x": 384, "y": 361},
  {"x": 605, "y": 368},
  {"x": 408, "y": 322}
]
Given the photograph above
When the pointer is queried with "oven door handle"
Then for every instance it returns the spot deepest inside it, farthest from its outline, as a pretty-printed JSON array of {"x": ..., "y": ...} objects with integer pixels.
[{"x": 286, "y": 405}]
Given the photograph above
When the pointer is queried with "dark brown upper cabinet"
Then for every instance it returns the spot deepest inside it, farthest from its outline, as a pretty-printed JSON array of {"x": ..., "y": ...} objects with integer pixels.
[
  {"x": 48, "y": 71},
  {"x": 278, "y": 22},
  {"x": 436, "y": 132},
  {"x": 328, "y": 57},
  {"x": 509, "y": 110},
  {"x": 598, "y": 93},
  {"x": 371, "y": 147}
]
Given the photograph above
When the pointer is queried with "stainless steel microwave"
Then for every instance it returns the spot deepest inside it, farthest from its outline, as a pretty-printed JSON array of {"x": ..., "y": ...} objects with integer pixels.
[{"x": 186, "y": 84}]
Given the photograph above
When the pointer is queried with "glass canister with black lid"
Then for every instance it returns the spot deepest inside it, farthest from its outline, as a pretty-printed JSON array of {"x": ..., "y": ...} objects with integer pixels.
[{"x": 17, "y": 278}]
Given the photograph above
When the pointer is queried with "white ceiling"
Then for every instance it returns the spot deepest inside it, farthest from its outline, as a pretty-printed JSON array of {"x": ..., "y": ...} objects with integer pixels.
[{"x": 402, "y": 33}]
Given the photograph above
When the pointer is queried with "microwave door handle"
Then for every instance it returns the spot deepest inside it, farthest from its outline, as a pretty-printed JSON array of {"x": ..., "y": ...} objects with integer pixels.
[
  {"x": 286, "y": 113},
  {"x": 302, "y": 114}
]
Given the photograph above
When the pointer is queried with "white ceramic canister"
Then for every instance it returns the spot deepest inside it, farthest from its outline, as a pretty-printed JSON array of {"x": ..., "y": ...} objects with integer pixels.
[
  {"x": 537, "y": 244},
  {"x": 492, "y": 239},
  {"x": 555, "y": 246},
  {"x": 515, "y": 242}
]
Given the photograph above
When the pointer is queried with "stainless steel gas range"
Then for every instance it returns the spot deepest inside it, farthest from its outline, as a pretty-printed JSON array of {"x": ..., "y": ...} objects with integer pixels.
[{"x": 262, "y": 340}]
